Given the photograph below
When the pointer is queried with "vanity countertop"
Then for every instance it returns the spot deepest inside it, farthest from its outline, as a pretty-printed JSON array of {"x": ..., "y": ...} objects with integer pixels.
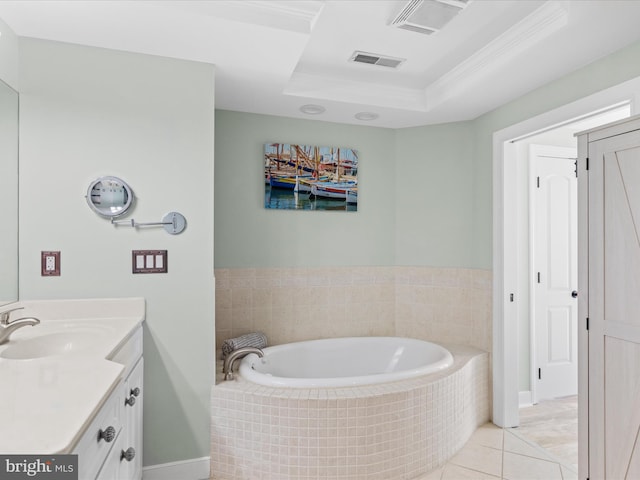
[{"x": 47, "y": 402}]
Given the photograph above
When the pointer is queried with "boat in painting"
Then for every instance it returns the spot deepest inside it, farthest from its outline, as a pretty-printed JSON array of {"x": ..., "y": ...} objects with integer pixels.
[
  {"x": 304, "y": 184},
  {"x": 352, "y": 195},
  {"x": 287, "y": 182},
  {"x": 332, "y": 189}
]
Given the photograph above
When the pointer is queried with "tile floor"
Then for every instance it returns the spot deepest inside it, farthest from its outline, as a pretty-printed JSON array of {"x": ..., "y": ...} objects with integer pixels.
[
  {"x": 553, "y": 424},
  {"x": 494, "y": 453}
]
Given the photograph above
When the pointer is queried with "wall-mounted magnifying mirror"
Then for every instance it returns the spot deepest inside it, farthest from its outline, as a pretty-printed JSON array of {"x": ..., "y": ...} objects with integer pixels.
[{"x": 109, "y": 196}]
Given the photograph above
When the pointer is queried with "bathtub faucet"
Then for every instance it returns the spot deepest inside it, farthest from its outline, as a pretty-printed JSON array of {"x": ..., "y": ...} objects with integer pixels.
[{"x": 227, "y": 368}]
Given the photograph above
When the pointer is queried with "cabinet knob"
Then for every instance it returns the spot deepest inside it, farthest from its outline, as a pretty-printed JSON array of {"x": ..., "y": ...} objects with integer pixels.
[
  {"x": 135, "y": 391},
  {"x": 131, "y": 401},
  {"x": 108, "y": 434},
  {"x": 128, "y": 454}
]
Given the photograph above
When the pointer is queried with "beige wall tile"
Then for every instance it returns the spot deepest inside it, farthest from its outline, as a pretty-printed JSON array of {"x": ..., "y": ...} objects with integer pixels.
[{"x": 290, "y": 304}]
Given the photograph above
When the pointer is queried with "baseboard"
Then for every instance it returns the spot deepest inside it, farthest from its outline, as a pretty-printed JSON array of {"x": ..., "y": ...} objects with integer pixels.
[
  {"x": 194, "y": 469},
  {"x": 524, "y": 399}
]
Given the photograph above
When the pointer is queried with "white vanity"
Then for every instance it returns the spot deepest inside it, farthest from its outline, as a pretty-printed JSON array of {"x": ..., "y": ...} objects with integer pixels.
[{"x": 74, "y": 384}]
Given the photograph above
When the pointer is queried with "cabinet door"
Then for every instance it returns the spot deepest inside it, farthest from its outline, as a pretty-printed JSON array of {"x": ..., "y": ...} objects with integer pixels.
[
  {"x": 98, "y": 440},
  {"x": 131, "y": 450}
]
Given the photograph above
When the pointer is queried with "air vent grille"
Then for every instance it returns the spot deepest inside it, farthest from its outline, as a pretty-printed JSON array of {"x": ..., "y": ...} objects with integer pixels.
[
  {"x": 373, "y": 59},
  {"x": 428, "y": 16}
]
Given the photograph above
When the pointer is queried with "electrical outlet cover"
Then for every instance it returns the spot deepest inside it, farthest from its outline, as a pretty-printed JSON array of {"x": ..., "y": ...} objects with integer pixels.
[{"x": 50, "y": 264}]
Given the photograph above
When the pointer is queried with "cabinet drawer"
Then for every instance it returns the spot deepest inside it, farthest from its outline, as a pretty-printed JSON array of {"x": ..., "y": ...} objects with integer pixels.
[
  {"x": 94, "y": 446},
  {"x": 111, "y": 468}
]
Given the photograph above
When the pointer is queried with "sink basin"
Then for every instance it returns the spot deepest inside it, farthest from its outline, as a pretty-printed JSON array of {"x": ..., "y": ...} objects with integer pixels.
[{"x": 49, "y": 345}]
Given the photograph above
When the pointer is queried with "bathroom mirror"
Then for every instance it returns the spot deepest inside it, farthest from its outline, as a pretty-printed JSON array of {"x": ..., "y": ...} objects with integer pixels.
[
  {"x": 8, "y": 194},
  {"x": 109, "y": 196}
]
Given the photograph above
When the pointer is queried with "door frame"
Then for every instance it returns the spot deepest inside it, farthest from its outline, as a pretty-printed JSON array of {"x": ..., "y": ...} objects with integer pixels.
[{"x": 505, "y": 268}]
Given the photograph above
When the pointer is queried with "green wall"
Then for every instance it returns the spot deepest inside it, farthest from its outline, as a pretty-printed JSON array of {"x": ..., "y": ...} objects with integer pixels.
[
  {"x": 612, "y": 70},
  {"x": 434, "y": 193},
  {"x": 415, "y": 194},
  {"x": 248, "y": 235},
  {"x": 425, "y": 192},
  {"x": 87, "y": 112}
]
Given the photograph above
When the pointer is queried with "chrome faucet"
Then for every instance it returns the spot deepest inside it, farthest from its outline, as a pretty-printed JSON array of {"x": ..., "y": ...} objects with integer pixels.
[
  {"x": 7, "y": 327},
  {"x": 227, "y": 367}
]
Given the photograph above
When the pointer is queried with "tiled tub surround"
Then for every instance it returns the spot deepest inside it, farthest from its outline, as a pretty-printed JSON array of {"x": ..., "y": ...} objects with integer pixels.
[
  {"x": 447, "y": 305},
  {"x": 398, "y": 430}
]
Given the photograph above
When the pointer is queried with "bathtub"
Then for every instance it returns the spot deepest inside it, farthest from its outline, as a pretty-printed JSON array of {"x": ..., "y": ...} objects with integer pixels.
[
  {"x": 338, "y": 418},
  {"x": 344, "y": 362}
]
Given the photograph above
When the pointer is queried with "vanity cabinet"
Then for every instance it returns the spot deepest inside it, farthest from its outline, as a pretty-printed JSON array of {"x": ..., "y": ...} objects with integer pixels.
[{"x": 111, "y": 448}]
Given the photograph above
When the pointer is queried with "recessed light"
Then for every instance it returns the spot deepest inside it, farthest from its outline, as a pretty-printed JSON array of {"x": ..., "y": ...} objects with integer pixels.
[
  {"x": 366, "y": 116},
  {"x": 311, "y": 109}
]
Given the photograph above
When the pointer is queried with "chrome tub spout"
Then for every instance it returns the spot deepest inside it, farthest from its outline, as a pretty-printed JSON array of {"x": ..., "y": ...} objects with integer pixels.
[{"x": 227, "y": 367}]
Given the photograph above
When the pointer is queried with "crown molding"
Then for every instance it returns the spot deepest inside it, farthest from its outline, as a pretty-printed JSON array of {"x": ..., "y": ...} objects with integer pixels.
[
  {"x": 299, "y": 16},
  {"x": 539, "y": 25}
]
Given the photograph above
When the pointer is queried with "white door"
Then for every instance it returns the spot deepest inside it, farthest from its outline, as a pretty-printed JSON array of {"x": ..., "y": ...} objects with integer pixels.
[
  {"x": 554, "y": 237},
  {"x": 614, "y": 307}
]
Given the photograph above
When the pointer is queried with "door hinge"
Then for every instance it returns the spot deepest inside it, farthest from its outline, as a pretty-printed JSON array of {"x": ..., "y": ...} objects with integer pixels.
[
  {"x": 538, "y": 277},
  {"x": 587, "y": 163},
  {"x": 539, "y": 374},
  {"x": 538, "y": 182},
  {"x": 576, "y": 169},
  {"x": 511, "y": 297},
  {"x": 587, "y": 323}
]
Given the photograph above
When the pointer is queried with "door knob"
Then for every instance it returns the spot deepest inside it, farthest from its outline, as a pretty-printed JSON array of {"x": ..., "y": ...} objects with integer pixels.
[{"x": 574, "y": 294}]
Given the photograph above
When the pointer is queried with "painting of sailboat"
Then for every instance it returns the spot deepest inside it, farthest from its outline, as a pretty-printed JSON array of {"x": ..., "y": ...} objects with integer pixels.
[{"x": 307, "y": 177}]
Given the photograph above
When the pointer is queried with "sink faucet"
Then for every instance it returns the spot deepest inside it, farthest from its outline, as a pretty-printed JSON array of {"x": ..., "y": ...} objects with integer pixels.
[
  {"x": 7, "y": 327},
  {"x": 227, "y": 368}
]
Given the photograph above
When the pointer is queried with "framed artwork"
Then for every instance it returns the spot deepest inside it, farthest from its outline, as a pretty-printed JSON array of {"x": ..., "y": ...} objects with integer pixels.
[{"x": 308, "y": 177}]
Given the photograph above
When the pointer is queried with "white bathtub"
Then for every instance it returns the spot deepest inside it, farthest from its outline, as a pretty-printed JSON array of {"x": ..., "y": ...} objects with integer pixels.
[
  {"x": 389, "y": 430},
  {"x": 344, "y": 362}
]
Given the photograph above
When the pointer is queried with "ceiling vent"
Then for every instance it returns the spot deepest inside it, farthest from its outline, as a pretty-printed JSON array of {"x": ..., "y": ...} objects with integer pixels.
[
  {"x": 428, "y": 16},
  {"x": 374, "y": 59}
]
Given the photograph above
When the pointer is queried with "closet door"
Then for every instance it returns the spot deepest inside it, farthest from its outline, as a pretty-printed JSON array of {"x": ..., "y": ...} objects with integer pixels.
[{"x": 614, "y": 307}]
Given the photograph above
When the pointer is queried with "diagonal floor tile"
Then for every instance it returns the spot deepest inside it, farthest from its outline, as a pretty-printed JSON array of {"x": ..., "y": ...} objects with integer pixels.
[
  {"x": 488, "y": 435},
  {"x": 480, "y": 458},
  {"x": 433, "y": 475},
  {"x": 520, "y": 467},
  {"x": 568, "y": 474},
  {"x": 455, "y": 472},
  {"x": 514, "y": 444}
]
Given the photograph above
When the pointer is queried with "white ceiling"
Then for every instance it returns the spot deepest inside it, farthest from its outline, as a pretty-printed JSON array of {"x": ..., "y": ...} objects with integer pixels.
[{"x": 273, "y": 56}]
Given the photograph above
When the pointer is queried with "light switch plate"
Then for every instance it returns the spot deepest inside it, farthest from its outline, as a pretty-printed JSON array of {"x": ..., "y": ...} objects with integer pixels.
[
  {"x": 149, "y": 261},
  {"x": 50, "y": 264}
]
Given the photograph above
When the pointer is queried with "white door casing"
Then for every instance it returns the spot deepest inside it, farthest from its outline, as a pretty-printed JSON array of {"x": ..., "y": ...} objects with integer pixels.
[{"x": 554, "y": 270}]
